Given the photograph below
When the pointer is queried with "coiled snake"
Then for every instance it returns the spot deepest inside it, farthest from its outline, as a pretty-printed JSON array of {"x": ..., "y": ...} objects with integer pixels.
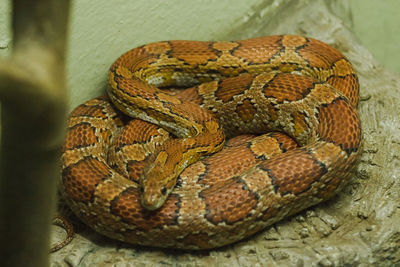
[{"x": 288, "y": 103}]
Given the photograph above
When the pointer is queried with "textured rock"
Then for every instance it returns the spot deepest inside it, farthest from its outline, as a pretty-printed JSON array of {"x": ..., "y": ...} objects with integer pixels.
[{"x": 360, "y": 226}]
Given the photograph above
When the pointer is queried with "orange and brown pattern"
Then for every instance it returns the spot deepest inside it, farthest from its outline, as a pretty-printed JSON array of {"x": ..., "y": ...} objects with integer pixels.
[{"x": 287, "y": 105}]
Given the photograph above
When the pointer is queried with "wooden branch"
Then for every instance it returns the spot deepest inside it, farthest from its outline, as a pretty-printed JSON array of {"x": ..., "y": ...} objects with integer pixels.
[{"x": 32, "y": 95}]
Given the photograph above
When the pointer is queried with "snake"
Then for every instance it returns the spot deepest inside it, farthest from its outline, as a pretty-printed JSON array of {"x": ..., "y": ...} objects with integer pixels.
[{"x": 197, "y": 145}]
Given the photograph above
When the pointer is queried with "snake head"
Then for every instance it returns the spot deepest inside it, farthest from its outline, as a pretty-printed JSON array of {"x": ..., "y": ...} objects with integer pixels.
[
  {"x": 152, "y": 198},
  {"x": 161, "y": 171},
  {"x": 157, "y": 182}
]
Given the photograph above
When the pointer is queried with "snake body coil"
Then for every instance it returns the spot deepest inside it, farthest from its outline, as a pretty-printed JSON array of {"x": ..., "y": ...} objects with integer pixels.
[{"x": 154, "y": 180}]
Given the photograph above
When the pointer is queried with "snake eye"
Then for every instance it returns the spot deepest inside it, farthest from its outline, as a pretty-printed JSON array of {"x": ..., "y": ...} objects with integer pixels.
[{"x": 163, "y": 190}]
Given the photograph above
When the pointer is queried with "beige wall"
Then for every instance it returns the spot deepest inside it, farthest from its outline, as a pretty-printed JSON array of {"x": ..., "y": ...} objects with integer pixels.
[
  {"x": 100, "y": 30},
  {"x": 5, "y": 36},
  {"x": 377, "y": 25}
]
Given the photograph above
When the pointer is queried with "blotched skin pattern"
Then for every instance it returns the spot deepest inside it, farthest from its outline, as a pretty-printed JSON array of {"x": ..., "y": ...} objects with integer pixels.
[{"x": 288, "y": 103}]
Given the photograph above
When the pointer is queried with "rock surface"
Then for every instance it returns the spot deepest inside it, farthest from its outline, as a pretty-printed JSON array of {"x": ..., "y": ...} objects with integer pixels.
[{"x": 358, "y": 227}]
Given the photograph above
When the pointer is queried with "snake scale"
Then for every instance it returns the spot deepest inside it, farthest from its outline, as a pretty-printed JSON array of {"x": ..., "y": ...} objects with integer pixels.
[{"x": 164, "y": 175}]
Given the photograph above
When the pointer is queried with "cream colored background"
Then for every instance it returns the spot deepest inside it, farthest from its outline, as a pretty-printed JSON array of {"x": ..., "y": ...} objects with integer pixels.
[
  {"x": 100, "y": 30},
  {"x": 377, "y": 25}
]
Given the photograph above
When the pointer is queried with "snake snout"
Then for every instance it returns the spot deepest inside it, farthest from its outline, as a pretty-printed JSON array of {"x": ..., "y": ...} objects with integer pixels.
[{"x": 152, "y": 200}]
